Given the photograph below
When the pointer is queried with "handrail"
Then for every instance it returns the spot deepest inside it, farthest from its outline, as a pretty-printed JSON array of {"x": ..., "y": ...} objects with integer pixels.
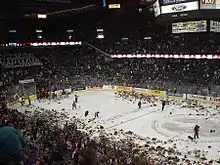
[{"x": 94, "y": 47}]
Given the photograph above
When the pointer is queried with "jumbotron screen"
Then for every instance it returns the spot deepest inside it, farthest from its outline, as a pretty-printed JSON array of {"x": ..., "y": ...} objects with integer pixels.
[
  {"x": 189, "y": 27},
  {"x": 214, "y": 26},
  {"x": 210, "y": 4},
  {"x": 156, "y": 7},
  {"x": 175, "y": 6}
]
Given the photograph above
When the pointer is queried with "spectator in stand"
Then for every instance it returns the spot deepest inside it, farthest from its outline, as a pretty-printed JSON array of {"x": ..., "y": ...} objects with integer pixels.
[{"x": 12, "y": 144}]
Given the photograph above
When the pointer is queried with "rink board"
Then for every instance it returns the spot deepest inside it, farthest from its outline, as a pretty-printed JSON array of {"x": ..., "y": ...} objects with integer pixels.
[
  {"x": 146, "y": 92},
  {"x": 159, "y": 93}
]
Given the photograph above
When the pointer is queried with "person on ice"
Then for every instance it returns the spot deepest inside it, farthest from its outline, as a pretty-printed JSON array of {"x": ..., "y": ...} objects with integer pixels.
[
  {"x": 21, "y": 100},
  {"x": 96, "y": 114},
  {"x": 76, "y": 98},
  {"x": 74, "y": 105},
  {"x": 29, "y": 101},
  {"x": 86, "y": 113},
  {"x": 163, "y": 104},
  {"x": 196, "y": 132},
  {"x": 139, "y": 104}
]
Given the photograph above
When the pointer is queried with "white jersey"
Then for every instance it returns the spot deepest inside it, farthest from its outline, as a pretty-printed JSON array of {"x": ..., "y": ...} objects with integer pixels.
[{"x": 20, "y": 99}]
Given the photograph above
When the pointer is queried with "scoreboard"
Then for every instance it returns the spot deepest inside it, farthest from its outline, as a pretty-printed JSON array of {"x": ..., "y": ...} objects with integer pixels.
[
  {"x": 168, "y": 10},
  {"x": 189, "y": 27},
  {"x": 215, "y": 26},
  {"x": 210, "y": 4},
  {"x": 180, "y": 7},
  {"x": 174, "y": 6}
]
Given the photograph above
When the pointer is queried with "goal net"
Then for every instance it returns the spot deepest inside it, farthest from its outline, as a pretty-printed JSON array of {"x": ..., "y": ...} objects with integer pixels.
[{"x": 27, "y": 88}]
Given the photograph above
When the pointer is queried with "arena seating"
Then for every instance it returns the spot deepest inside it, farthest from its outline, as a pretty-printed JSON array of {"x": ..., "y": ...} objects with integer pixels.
[{"x": 75, "y": 65}]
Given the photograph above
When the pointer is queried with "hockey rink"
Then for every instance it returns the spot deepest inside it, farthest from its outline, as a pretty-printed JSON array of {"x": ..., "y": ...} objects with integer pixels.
[{"x": 171, "y": 126}]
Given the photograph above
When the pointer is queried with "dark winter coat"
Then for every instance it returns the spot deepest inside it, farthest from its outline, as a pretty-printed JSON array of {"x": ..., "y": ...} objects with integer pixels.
[{"x": 11, "y": 143}]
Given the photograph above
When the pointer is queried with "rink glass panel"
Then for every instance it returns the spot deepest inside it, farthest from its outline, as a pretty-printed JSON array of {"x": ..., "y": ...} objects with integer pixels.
[{"x": 27, "y": 89}]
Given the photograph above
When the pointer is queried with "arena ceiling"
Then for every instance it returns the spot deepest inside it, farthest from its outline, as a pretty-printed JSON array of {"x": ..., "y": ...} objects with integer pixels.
[
  {"x": 18, "y": 19},
  {"x": 56, "y": 8}
]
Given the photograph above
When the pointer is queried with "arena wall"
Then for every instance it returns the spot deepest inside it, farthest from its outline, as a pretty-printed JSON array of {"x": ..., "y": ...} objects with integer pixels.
[
  {"x": 146, "y": 92},
  {"x": 15, "y": 103},
  {"x": 159, "y": 93}
]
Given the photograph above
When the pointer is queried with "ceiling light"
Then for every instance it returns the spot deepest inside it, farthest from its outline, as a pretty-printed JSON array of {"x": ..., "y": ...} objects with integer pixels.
[
  {"x": 12, "y": 31},
  {"x": 42, "y": 16},
  {"x": 38, "y": 31}
]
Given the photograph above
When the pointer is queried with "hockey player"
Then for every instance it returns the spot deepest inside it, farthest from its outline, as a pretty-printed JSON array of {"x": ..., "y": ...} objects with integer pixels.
[
  {"x": 163, "y": 104},
  {"x": 86, "y": 113},
  {"x": 22, "y": 101},
  {"x": 29, "y": 101},
  {"x": 96, "y": 114},
  {"x": 63, "y": 92},
  {"x": 76, "y": 98},
  {"x": 74, "y": 105},
  {"x": 139, "y": 104},
  {"x": 53, "y": 95},
  {"x": 196, "y": 132}
]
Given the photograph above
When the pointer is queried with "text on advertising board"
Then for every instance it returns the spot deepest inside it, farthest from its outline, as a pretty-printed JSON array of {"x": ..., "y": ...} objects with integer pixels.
[{"x": 172, "y": 2}]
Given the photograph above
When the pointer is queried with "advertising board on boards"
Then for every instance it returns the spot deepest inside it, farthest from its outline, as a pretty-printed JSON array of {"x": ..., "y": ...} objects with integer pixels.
[
  {"x": 140, "y": 90},
  {"x": 108, "y": 87},
  {"x": 156, "y": 93},
  {"x": 123, "y": 88},
  {"x": 93, "y": 88},
  {"x": 202, "y": 98},
  {"x": 175, "y": 94}
]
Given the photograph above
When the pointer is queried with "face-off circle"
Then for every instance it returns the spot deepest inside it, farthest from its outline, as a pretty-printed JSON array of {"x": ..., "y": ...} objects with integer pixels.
[{"x": 181, "y": 126}]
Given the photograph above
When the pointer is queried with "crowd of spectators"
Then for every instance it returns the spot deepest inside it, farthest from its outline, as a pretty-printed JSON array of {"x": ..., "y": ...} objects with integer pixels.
[
  {"x": 203, "y": 43},
  {"x": 59, "y": 67},
  {"x": 51, "y": 138}
]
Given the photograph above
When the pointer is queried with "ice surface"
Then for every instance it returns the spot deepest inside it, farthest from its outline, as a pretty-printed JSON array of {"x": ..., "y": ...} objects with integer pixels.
[{"x": 175, "y": 123}]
